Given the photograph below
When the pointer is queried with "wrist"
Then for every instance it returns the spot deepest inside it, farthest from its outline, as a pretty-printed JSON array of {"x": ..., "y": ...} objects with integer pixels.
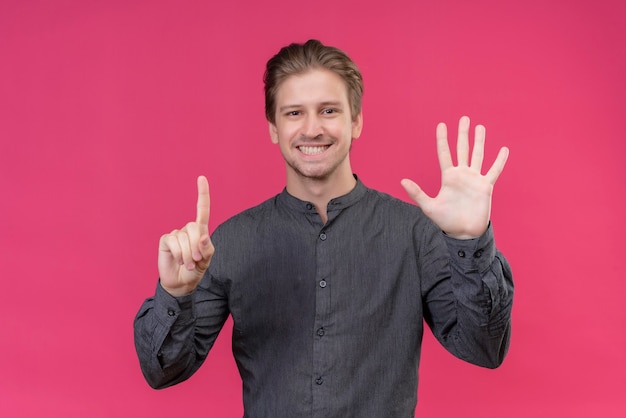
[{"x": 179, "y": 291}]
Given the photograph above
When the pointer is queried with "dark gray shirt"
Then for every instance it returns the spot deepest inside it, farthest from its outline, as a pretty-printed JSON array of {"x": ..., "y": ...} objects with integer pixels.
[{"x": 328, "y": 318}]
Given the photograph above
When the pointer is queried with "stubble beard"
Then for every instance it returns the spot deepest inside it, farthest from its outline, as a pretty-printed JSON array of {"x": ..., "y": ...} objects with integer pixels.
[{"x": 313, "y": 175}]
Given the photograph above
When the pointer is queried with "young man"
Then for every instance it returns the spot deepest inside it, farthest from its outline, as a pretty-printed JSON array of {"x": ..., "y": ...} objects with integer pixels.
[{"x": 329, "y": 282}]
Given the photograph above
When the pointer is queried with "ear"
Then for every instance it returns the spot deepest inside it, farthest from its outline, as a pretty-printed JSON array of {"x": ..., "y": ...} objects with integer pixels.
[
  {"x": 357, "y": 125},
  {"x": 273, "y": 132}
]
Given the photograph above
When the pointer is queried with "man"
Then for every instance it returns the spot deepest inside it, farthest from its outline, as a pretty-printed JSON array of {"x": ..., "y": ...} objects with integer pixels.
[{"x": 329, "y": 282}]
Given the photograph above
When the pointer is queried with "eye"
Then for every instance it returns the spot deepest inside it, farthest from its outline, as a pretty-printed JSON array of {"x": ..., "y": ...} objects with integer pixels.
[
  {"x": 329, "y": 111},
  {"x": 293, "y": 113}
]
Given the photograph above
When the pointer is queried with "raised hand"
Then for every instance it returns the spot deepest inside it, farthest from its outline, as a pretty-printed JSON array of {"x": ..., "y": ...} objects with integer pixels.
[
  {"x": 463, "y": 206},
  {"x": 185, "y": 254}
]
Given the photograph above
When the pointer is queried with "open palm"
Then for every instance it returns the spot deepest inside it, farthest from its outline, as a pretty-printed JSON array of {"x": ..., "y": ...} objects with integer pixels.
[{"x": 463, "y": 206}]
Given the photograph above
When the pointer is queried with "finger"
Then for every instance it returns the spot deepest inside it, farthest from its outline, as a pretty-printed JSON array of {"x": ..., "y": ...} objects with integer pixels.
[
  {"x": 462, "y": 144},
  {"x": 185, "y": 248},
  {"x": 478, "y": 152},
  {"x": 498, "y": 165},
  {"x": 204, "y": 202},
  {"x": 195, "y": 234},
  {"x": 415, "y": 192},
  {"x": 443, "y": 149},
  {"x": 169, "y": 243}
]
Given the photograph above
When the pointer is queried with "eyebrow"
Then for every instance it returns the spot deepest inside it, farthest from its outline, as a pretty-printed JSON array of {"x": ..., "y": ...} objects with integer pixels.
[{"x": 297, "y": 106}]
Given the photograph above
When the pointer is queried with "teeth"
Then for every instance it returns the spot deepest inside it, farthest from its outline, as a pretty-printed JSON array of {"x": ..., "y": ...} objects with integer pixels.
[{"x": 313, "y": 150}]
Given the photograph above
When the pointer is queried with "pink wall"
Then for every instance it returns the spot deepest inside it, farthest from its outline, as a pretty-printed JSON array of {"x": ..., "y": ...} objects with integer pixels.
[{"x": 110, "y": 109}]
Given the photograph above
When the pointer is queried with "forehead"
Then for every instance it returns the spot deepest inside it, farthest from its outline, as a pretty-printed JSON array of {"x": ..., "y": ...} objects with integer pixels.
[{"x": 312, "y": 86}]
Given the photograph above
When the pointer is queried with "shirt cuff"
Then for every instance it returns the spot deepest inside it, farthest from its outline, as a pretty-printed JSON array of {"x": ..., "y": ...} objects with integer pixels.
[
  {"x": 170, "y": 309},
  {"x": 473, "y": 254}
]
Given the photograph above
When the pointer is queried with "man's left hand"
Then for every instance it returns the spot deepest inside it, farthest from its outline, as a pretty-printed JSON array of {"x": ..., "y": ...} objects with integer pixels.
[{"x": 462, "y": 208}]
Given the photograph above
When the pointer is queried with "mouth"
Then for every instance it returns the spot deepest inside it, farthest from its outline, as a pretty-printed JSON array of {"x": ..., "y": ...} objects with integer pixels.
[{"x": 313, "y": 150}]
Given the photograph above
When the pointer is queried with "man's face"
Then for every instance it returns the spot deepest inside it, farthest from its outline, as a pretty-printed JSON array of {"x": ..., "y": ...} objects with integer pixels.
[{"x": 314, "y": 126}]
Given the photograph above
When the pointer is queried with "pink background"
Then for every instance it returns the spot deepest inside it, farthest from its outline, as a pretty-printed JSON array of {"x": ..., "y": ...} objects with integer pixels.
[{"x": 110, "y": 109}]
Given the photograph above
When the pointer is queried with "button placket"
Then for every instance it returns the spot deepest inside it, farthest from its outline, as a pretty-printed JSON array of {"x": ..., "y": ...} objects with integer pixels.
[{"x": 321, "y": 360}]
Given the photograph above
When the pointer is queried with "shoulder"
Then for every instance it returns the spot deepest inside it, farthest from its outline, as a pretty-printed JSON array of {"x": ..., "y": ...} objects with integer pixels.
[
  {"x": 396, "y": 214},
  {"x": 249, "y": 218},
  {"x": 382, "y": 200}
]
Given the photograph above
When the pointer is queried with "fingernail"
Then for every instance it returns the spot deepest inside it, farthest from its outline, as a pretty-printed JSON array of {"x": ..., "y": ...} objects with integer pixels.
[{"x": 191, "y": 265}]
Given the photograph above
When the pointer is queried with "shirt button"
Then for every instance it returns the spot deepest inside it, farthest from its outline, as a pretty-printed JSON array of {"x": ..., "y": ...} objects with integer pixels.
[
  {"x": 320, "y": 332},
  {"x": 478, "y": 253},
  {"x": 309, "y": 206},
  {"x": 461, "y": 253},
  {"x": 319, "y": 381},
  {"x": 323, "y": 236},
  {"x": 323, "y": 284},
  {"x": 171, "y": 313}
]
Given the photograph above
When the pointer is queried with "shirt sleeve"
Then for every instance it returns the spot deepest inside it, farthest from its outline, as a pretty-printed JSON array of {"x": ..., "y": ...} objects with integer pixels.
[
  {"x": 173, "y": 335},
  {"x": 468, "y": 297}
]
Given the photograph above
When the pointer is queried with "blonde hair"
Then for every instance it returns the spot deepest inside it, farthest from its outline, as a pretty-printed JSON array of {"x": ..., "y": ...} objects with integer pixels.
[{"x": 299, "y": 58}]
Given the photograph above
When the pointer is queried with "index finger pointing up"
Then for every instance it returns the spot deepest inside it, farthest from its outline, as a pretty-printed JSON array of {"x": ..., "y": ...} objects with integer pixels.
[{"x": 204, "y": 202}]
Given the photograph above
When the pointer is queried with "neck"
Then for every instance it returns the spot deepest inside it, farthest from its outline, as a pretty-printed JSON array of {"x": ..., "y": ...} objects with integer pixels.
[{"x": 320, "y": 191}]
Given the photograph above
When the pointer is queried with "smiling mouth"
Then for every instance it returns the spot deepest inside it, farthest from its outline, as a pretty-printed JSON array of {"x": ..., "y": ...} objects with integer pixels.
[{"x": 309, "y": 150}]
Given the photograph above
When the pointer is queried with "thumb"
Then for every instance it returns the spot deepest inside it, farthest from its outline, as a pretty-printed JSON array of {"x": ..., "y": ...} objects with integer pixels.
[
  {"x": 207, "y": 250},
  {"x": 206, "y": 246},
  {"x": 415, "y": 192}
]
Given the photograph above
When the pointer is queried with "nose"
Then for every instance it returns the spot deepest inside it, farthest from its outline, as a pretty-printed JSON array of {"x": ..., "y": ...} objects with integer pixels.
[{"x": 312, "y": 126}]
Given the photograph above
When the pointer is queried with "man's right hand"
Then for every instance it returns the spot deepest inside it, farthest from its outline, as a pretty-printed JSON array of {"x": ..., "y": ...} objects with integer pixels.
[{"x": 185, "y": 254}]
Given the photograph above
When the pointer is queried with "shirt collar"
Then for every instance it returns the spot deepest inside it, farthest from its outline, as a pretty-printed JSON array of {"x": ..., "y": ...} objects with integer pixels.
[{"x": 337, "y": 203}]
